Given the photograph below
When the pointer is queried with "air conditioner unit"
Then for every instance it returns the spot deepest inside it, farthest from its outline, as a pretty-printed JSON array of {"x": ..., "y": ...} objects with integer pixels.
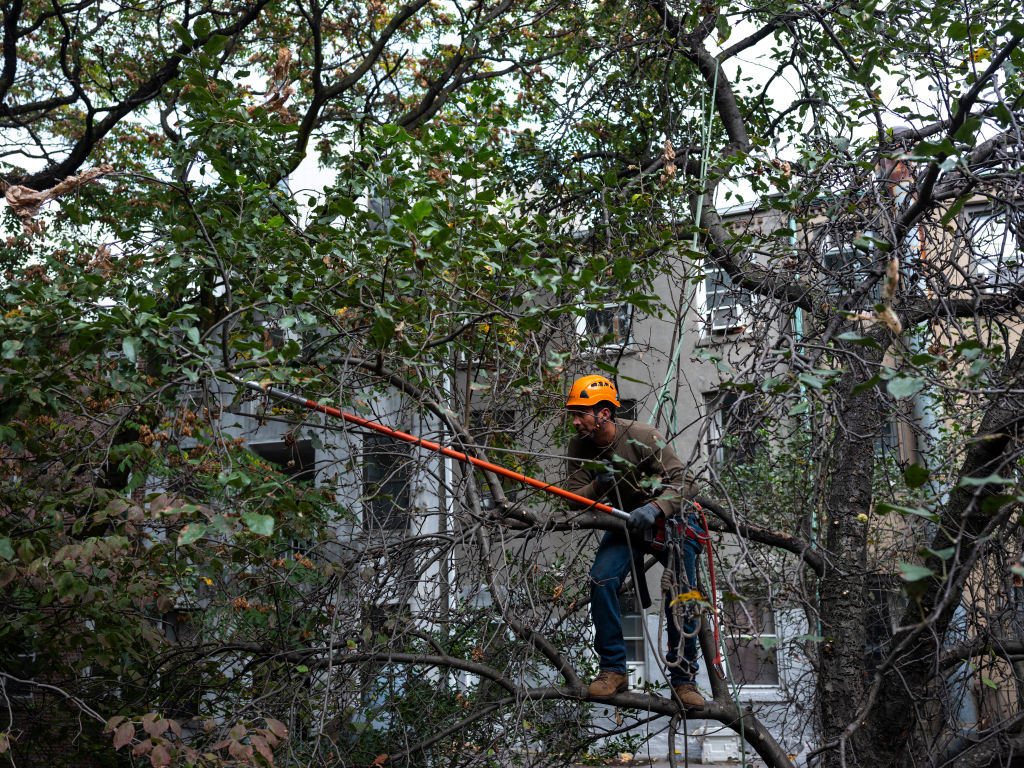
[{"x": 728, "y": 319}]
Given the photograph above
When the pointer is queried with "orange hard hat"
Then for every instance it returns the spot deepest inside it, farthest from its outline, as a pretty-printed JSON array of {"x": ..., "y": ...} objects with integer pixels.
[{"x": 588, "y": 391}]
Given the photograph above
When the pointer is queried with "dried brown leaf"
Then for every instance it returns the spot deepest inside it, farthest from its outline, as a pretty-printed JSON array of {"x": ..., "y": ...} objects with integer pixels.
[
  {"x": 263, "y": 748},
  {"x": 160, "y": 757},
  {"x": 155, "y": 727},
  {"x": 124, "y": 735},
  {"x": 240, "y": 751},
  {"x": 277, "y": 728}
]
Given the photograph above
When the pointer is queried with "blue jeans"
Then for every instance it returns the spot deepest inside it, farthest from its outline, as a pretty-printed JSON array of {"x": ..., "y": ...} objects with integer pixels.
[{"x": 611, "y": 566}]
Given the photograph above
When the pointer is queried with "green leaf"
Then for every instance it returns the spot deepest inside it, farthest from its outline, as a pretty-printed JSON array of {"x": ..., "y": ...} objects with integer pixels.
[
  {"x": 6, "y": 550},
  {"x": 383, "y": 331},
  {"x": 215, "y": 44},
  {"x": 884, "y": 508},
  {"x": 872, "y": 382},
  {"x": 190, "y": 533},
  {"x": 193, "y": 334},
  {"x": 977, "y": 482},
  {"x": 344, "y": 206},
  {"x": 904, "y": 386},
  {"x": 11, "y": 348},
  {"x": 856, "y": 338},
  {"x": 275, "y": 221},
  {"x": 422, "y": 209},
  {"x": 911, "y": 572},
  {"x": 811, "y": 381},
  {"x": 915, "y": 475},
  {"x": 958, "y": 30},
  {"x": 262, "y": 525},
  {"x": 201, "y": 26},
  {"x": 182, "y": 33}
]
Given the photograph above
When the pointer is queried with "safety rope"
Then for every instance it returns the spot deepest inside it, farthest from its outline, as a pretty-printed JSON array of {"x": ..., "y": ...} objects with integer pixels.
[{"x": 683, "y": 610}]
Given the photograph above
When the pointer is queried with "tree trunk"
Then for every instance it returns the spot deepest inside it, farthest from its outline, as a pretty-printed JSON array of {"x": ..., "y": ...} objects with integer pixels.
[{"x": 841, "y": 595}]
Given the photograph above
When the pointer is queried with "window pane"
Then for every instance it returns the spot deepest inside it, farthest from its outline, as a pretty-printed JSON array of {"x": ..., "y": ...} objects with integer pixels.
[
  {"x": 750, "y": 662},
  {"x": 634, "y": 649},
  {"x": 997, "y": 257},
  {"x": 297, "y": 460},
  {"x": 386, "y": 474},
  {"x": 609, "y": 325},
  {"x": 632, "y": 625},
  {"x": 747, "y": 618}
]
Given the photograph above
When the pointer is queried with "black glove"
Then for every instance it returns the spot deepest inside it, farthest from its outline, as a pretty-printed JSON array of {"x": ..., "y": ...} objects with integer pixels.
[
  {"x": 642, "y": 518},
  {"x": 603, "y": 482}
]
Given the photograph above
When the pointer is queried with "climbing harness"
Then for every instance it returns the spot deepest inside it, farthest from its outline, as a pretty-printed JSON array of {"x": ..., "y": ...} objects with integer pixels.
[{"x": 678, "y": 591}]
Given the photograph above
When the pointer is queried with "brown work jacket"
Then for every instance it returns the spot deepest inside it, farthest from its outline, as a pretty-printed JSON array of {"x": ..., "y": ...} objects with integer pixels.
[{"x": 646, "y": 469}]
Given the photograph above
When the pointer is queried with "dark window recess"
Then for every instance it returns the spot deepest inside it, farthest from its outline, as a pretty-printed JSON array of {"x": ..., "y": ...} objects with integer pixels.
[
  {"x": 626, "y": 409},
  {"x": 750, "y": 643},
  {"x": 995, "y": 249},
  {"x": 387, "y": 469},
  {"x": 883, "y": 598},
  {"x": 495, "y": 428},
  {"x": 21, "y": 664},
  {"x": 847, "y": 258},
  {"x": 297, "y": 460},
  {"x": 733, "y": 433},
  {"x": 887, "y": 442},
  {"x": 181, "y": 697}
]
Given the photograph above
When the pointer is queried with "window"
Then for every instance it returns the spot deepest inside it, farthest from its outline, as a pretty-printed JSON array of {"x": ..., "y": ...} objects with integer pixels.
[
  {"x": 750, "y": 643},
  {"x": 887, "y": 442},
  {"x": 607, "y": 326},
  {"x": 995, "y": 253},
  {"x": 297, "y": 459},
  {"x": 633, "y": 634},
  {"x": 495, "y": 428},
  {"x": 732, "y": 436},
  {"x": 725, "y": 305},
  {"x": 21, "y": 666},
  {"x": 626, "y": 409},
  {"x": 387, "y": 470},
  {"x": 632, "y": 625},
  {"x": 883, "y": 606},
  {"x": 846, "y": 258}
]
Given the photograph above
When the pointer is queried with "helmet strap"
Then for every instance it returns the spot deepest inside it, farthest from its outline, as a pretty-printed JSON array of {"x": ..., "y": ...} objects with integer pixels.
[{"x": 598, "y": 422}]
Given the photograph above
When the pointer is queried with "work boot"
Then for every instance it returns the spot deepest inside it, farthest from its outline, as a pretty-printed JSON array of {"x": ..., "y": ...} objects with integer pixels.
[
  {"x": 607, "y": 683},
  {"x": 687, "y": 693}
]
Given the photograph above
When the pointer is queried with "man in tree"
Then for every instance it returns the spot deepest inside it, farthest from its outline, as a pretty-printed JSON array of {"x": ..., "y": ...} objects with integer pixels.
[{"x": 643, "y": 474}]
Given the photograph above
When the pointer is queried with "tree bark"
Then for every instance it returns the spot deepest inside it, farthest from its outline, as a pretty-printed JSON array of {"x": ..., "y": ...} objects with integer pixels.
[{"x": 842, "y": 600}]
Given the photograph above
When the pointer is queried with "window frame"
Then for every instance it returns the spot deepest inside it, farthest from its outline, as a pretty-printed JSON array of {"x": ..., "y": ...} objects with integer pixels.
[
  {"x": 621, "y": 311},
  {"x": 398, "y": 474},
  {"x": 717, "y": 405},
  {"x": 728, "y": 296},
  {"x": 749, "y": 607},
  {"x": 632, "y": 614},
  {"x": 988, "y": 271}
]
